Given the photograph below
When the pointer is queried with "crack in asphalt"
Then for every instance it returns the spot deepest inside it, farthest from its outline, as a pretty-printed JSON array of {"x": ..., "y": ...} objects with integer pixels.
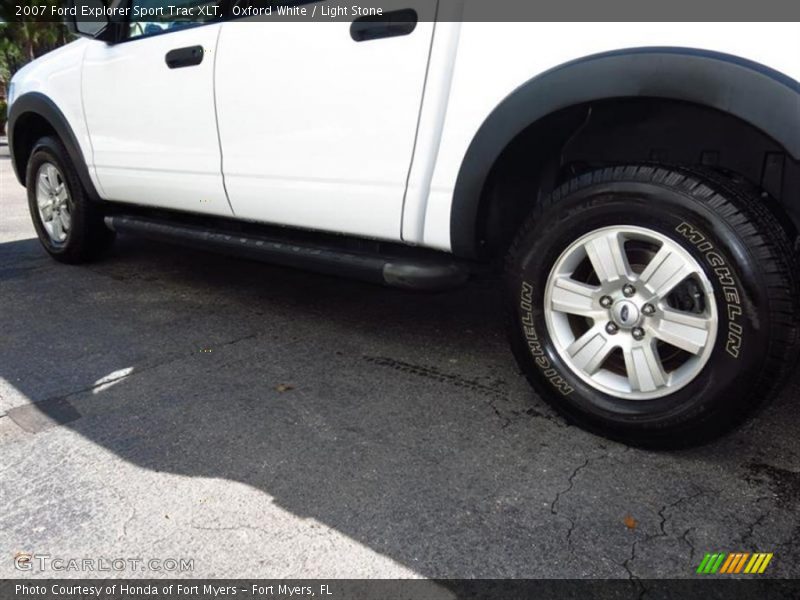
[
  {"x": 231, "y": 528},
  {"x": 560, "y": 494},
  {"x": 685, "y": 539},
  {"x": 504, "y": 420},
  {"x": 631, "y": 575},
  {"x": 747, "y": 537},
  {"x": 666, "y": 507},
  {"x": 127, "y": 522},
  {"x": 570, "y": 485},
  {"x": 662, "y": 526}
]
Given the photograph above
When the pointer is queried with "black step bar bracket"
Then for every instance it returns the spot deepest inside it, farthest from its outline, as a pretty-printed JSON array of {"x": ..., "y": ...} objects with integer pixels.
[{"x": 426, "y": 273}]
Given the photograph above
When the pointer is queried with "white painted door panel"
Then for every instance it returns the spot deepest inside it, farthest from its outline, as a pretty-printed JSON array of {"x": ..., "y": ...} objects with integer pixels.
[
  {"x": 153, "y": 129},
  {"x": 317, "y": 131}
]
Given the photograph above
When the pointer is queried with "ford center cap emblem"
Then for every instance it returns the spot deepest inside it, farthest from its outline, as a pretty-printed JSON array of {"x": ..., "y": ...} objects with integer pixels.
[{"x": 625, "y": 313}]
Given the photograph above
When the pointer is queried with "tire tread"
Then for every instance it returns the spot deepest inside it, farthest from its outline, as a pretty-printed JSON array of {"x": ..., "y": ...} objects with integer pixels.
[{"x": 745, "y": 210}]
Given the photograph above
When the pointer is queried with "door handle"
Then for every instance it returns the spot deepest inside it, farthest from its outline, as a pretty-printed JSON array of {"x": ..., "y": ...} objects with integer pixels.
[
  {"x": 185, "y": 57},
  {"x": 390, "y": 24}
]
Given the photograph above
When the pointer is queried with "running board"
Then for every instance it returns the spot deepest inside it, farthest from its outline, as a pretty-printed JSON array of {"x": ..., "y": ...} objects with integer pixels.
[{"x": 432, "y": 272}]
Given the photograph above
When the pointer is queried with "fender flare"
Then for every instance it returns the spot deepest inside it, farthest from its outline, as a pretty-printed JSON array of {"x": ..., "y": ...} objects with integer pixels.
[
  {"x": 756, "y": 94},
  {"x": 42, "y": 106}
]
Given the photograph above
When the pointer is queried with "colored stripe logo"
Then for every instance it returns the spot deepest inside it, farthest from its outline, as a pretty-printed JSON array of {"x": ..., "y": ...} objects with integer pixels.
[{"x": 735, "y": 563}]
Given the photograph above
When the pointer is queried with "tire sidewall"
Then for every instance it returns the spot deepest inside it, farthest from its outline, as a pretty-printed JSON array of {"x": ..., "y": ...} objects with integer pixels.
[
  {"x": 46, "y": 151},
  {"x": 742, "y": 336}
]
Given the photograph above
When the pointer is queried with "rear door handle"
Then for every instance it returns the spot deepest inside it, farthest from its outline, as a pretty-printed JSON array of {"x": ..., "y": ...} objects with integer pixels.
[
  {"x": 390, "y": 24},
  {"x": 185, "y": 57}
]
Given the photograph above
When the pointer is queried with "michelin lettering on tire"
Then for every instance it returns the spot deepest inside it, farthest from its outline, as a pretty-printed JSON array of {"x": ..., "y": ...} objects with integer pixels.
[
  {"x": 724, "y": 275},
  {"x": 535, "y": 346}
]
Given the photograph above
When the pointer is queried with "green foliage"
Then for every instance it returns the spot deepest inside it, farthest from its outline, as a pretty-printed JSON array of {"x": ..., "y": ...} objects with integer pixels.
[
  {"x": 3, "y": 109},
  {"x": 23, "y": 41}
]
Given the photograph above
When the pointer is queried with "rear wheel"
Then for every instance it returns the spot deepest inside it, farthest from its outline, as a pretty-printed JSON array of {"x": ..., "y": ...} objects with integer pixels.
[
  {"x": 653, "y": 305},
  {"x": 69, "y": 225}
]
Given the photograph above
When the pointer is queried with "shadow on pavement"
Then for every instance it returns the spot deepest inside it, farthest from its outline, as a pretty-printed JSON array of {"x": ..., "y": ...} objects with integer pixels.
[{"x": 398, "y": 419}]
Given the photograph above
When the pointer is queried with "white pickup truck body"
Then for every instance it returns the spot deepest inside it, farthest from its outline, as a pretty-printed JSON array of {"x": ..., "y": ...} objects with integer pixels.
[
  {"x": 295, "y": 124},
  {"x": 639, "y": 182}
]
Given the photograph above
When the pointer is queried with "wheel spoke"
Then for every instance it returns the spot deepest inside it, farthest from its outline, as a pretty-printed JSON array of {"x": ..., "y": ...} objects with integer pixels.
[
  {"x": 58, "y": 229},
  {"x": 42, "y": 199},
  {"x": 643, "y": 365},
  {"x": 590, "y": 350},
  {"x": 608, "y": 258},
  {"x": 666, "y": 270},
  {"x": 65, "y": 220},
  {"x": 61, "y": 192},
  {"x": 52, "y": 177},
  {"x": 683, "y": 330},
  {"x": 572, "y": 297},
  {"x": 42, "y": 185}
]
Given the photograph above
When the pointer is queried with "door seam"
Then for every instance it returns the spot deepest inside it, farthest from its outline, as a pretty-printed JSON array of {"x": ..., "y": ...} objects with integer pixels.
[{"x": 216, "y": 120}]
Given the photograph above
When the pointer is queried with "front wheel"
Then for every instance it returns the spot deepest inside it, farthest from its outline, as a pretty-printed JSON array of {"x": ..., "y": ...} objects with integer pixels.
[
  {"x": 69, "y": 225},
  {"x": 652, "y": 305}
]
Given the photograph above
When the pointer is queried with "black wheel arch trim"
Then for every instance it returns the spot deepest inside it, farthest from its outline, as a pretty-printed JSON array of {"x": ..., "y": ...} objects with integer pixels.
[
  {"x": 42, "y": 106},
  {"x": 759, "y": 95}
]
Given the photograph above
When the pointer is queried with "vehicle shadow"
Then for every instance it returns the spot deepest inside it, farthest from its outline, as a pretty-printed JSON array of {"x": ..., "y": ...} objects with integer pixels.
[{"x": 398, "y": 419}]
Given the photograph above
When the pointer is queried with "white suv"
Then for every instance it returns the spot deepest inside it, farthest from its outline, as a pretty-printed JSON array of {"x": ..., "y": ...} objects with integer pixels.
[{"x": 638, "y": 184}]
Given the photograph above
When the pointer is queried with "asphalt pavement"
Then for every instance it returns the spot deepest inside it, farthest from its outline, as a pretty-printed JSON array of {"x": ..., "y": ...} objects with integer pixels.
[{"x": 167, "y": 403}]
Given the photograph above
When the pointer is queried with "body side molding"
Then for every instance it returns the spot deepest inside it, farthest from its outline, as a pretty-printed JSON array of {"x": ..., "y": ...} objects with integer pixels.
[{"x": 756, "y": 94}]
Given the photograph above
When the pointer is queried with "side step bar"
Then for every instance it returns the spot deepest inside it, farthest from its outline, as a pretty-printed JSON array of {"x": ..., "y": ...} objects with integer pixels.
[{"x": 432, "y": 272}]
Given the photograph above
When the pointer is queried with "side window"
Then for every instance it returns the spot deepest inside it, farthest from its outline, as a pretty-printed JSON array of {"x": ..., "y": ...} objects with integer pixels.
[{"x": 152, "y": 17}]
